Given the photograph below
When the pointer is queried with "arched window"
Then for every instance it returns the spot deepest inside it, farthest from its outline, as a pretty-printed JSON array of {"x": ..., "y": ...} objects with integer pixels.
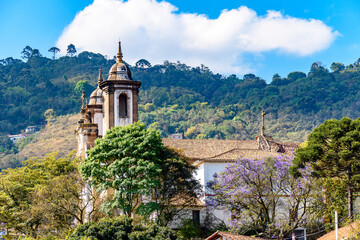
[{"x": 123, "y": 105}]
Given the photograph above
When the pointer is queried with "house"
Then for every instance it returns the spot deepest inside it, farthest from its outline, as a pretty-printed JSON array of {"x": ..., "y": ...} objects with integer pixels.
[
  {"x": 15, "y": 138},
  {"x": 31, "y": 129},
  {"x": 176, "y": 136}
]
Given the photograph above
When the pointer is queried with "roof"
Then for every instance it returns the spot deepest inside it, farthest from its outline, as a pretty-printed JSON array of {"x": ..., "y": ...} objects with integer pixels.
[
  {"x": 343, "y": 233},
  {"x": 213, "y": 150},
  {"x": 230, "y": 236},
  {"x": 182, "y": 200}
]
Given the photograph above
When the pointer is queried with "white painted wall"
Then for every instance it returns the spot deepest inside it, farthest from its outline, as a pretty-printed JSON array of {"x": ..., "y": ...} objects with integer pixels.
[
  {"x": 204, "y": 174},
  {"x": 98, "y": 118},
  {"x": 210, "y": 168},
  {"x": 122, "y": 121}
]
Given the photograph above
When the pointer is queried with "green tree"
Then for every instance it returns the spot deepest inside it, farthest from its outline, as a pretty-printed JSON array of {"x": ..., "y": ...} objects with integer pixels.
[
  {"x": 142, "y": 63},
  {"x": 26, "y": 52},
  {"x": 293, "y": 76},
  {"x": 84, "y": 85},
  {"x": 6, "y": 145},
  {"x": 337, "y": 67},
  {"x": 50, "y": 116},
  {"x": 126, "y": 160},
  {"x": 121, "y": 228},
  {"x": 178, "y": 188},
  {"x": 71, "y": 50},
  {"x": 23, "y": 204},
  {"x": 133, "y": 162},
  {"x": 333, "y": 151},
  {"x": 54, "y": 50},
  {"x": 35, "y": 53}
]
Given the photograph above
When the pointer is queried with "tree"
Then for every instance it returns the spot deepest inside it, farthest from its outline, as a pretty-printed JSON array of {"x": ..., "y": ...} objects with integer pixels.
[
  {"x": 178, "y": 188},
  {"x": 293, "y": 76},
  {"x": 83, "y": 85},
  {"x": 276, "y": 76},
  {"x": 35, "y": 53},
  {"x": 29, "y": 202},
  {"x": 50, "y": 116},
  {"x": 71, "y": 50},
  {"x": 337, "y": 67},
  {"x": 126, "y": 160},
  {"x": 249, "y": 76},
  {"x": 259, "y": 191},
  {"x": 133, "y": 162},
  {"x": 6, "y": 145},
  {"x": 142, "y": 63},
  {"x": 9, "y": 61},
  {"x": 121, "y": 228},
  {"x": 54, "y": 50},
  {"x": 333, "y": 151},
  {"x": 26, "y": 52}
]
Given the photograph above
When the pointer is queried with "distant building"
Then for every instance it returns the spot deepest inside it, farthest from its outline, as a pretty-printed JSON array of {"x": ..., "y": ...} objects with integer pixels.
[
  {"x": 176, "y": 136},
  {"x": 31, "y": 129},
  {"x": 16, "y": 138}
]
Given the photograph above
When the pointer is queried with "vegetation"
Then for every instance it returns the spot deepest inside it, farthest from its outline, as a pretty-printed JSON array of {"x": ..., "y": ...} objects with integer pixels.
[
  {"x": 133, "y": 162},
  {"x": 59, "y": 137},
  {"x": 333, "y": 152},
  {"x": 41, "y": 196},
  {"x": 259, "y": 193},
  {"x": 121, "y": 228},
  {"x": 177, "y": 98}
]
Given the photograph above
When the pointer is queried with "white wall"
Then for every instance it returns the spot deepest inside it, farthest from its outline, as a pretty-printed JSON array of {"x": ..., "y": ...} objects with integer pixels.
[
  {"x": 122, "y": 121},
  {"x": 204, "y": 174},
  {"x": 98, "y": 118}
]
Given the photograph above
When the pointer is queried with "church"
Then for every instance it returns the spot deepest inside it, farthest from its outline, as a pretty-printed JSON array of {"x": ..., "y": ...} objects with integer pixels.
[{"x": 115, "y": 103}]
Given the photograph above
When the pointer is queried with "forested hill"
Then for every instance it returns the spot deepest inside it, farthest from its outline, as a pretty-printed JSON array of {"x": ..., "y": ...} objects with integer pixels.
[{"x": 177, "y": 98}]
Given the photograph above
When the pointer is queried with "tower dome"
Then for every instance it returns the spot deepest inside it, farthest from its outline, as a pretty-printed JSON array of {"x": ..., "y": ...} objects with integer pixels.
[
  {"x": 119, "y": 71},
  {"x": 96, "y": 96}
]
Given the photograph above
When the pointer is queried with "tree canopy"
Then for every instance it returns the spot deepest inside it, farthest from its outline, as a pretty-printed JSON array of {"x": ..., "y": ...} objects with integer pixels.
[
  {"x": 263, "y": 199},
  {"x": 333, "y": 151},
  {"x": 71, "y": 50},
  {"x": 121, "y": 228},
  {"x": 54, "y": 50},
  {"x": 43, "y": 195},
  {"x": 132, "y": 161}
]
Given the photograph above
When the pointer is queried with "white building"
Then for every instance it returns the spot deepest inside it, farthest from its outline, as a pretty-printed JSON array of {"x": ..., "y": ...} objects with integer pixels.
[{"x": 115, "y": 103}]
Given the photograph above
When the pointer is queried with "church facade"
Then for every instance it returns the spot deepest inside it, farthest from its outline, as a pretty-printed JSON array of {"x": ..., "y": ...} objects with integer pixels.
[{"x": 115, "y": 103}]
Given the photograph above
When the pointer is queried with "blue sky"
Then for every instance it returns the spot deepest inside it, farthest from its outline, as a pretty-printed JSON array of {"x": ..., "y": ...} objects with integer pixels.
[{"x": 41, "y": 24}]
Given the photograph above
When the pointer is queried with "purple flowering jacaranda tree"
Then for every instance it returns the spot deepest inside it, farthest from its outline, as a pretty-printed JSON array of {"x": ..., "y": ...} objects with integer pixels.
[{"x": 264, "y": 199}]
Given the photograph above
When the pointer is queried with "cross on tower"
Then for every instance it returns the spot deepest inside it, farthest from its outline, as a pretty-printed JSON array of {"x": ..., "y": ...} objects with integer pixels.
[{"x": 263, "y": 123}]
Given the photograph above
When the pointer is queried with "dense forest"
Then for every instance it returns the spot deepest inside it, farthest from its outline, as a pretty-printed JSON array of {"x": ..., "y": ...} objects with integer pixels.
[{"x": 176, "y": 98}]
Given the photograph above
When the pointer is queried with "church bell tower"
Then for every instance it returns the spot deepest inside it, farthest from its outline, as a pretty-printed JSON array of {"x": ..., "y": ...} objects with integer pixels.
[
  {"x": 120, "y": 94},
  {"x": 113, "y": 103}
]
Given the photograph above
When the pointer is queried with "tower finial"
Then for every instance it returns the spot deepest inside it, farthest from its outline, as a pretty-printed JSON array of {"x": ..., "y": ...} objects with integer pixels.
[
  {"x": 119, "y": 55},
  {"x": 263, "y": 123},
  {"x": 100, "y": 79},
  {"x": 83, "y": 99}
]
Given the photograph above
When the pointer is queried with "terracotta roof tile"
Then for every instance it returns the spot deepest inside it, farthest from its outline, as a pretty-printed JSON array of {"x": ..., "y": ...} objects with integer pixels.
[
  {"x": 346, "y": 232},
  {"x": 230, "y": 236},
  {"x": 219, "y": 150}
]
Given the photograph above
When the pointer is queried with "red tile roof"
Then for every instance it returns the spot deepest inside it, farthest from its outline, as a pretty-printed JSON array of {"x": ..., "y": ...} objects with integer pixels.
[
  {"x": 213, "y": 150},
  {"x": 346, "y": 232},
  {"x": 218, "y": 235}
]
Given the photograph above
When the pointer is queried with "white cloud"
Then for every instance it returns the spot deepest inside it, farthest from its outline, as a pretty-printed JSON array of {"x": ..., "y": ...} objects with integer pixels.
[{"x": 154, "y": 31}]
